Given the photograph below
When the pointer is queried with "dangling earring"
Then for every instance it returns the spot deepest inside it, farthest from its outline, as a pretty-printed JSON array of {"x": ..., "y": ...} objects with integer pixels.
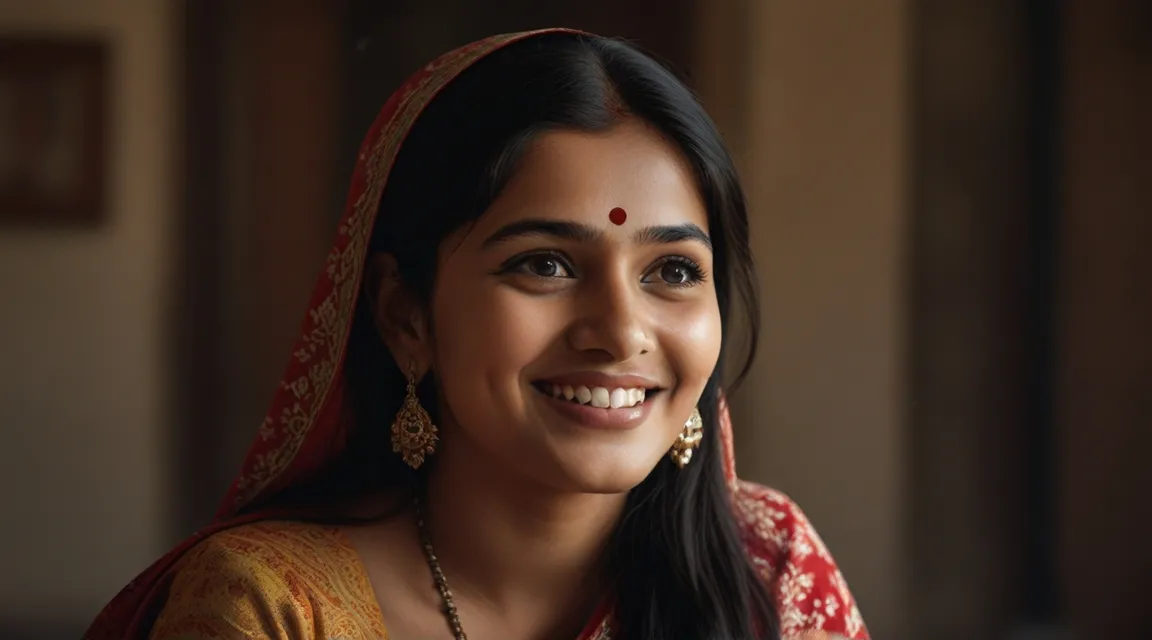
[
  {"x": 688, "y": 440},
  {"x": 413, "y": 434}
]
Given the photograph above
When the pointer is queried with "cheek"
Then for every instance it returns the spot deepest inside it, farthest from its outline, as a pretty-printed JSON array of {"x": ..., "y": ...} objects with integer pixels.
[
  {"x": 490, "y": 334},
  {"x": 693, "y": 338}
]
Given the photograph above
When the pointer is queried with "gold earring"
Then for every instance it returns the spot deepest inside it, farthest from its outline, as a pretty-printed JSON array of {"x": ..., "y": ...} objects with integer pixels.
[
  {"x": 688, "y": 440},
  {"x": 413, "y": 434}
]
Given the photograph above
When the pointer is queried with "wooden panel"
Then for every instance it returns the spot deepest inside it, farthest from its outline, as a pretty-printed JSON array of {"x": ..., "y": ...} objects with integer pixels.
[
  {"x": 286, "y": 83},
  {"x": 1105, "y": 386},
  {"x": 971, "y": 282},
  {"x": 262, "y": 84}
]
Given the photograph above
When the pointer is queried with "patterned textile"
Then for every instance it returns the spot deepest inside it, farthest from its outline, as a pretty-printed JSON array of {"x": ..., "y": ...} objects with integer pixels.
[{"x": 288, "y": 580}]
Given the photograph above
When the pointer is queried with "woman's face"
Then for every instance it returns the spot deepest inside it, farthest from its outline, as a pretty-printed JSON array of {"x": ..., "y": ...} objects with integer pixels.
[{"x": 570, "y": 342}]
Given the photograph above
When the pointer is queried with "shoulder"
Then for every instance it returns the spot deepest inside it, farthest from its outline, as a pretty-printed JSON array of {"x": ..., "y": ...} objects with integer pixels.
[
  {"x": 272, "y": 543},
  {"x": 810, "y": 593},
  {"x": 268, "y": 554},
  {"x": 263, "y": 580}
]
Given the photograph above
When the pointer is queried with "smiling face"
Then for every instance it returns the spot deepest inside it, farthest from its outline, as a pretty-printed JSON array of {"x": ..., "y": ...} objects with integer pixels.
[{"x": 569, "y": 344}]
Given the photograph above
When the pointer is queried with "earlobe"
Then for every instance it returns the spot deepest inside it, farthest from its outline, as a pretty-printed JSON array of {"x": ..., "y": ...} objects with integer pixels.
[{"x": 396, "y": 312}]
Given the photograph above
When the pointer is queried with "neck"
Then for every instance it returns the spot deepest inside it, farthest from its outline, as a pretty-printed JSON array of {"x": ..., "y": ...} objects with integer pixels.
[{"x": 518, "y": 547}]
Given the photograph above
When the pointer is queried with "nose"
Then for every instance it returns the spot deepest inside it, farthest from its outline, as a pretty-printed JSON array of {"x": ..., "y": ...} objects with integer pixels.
[{"x": 612, "y": 324}]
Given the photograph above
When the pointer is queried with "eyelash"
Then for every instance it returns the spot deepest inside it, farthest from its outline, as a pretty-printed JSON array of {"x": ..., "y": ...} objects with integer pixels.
[
  {"x": 696, "y": 273},
  {"x": 517, "y": 263}
]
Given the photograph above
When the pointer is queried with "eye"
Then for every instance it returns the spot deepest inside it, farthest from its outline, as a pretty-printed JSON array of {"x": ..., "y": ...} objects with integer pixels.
[
  {"x": 546, "y": 267},
  {"x": 540, "y": 265},
  {"x": 675, "y": 271}
]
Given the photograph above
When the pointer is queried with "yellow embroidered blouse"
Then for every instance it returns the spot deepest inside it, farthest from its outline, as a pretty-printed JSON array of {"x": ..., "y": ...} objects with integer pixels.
[
  {"x": 281, "y": 580},
  {"x": 286, "y": 580}
]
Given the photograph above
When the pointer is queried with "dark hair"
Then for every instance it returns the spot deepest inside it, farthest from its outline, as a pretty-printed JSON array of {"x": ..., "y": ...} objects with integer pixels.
[{"x": 682, "y": 571}]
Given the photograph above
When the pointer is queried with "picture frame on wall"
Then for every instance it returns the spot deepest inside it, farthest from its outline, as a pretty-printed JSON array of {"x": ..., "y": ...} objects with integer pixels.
[{"x": 53, "y": 131}]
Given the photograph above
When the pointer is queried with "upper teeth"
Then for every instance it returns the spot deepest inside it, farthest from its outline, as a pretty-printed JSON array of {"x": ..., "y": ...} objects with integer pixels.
[{"x": 601, "y": 397}]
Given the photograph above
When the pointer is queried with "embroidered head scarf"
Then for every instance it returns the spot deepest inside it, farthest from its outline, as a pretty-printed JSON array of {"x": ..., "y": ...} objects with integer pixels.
[{"x": 306, "y": 427}]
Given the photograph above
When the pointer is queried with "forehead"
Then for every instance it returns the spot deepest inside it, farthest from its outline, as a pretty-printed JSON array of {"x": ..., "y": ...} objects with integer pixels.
[{"x": 583, "y": 176}]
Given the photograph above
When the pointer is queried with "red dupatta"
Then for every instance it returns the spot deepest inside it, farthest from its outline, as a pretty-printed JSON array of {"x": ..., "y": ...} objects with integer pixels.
[{"x": 305, "y": 427}]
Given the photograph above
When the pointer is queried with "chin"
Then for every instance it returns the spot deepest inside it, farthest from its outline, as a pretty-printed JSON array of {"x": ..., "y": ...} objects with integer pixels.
[
  {"x": 604, "y": 485},
  {"x": 607, "y": 473}
]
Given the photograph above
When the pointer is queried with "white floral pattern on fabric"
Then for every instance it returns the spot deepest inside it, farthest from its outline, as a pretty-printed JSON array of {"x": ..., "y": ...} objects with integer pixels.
[{"x": 810, "y": 593}]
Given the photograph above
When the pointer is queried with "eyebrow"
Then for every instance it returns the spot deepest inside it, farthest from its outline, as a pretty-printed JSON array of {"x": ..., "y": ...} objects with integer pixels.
[{"x": 580, "y": 232}]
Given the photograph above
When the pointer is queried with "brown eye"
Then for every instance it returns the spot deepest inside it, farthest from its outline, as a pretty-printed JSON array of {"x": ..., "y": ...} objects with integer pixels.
[
  {"x": 546, "y": 266},
  {"x": 675, "y": 274}
]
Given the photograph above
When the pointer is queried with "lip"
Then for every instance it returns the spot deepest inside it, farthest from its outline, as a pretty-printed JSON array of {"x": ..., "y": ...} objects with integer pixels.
[{"x": 584, "y": 415}]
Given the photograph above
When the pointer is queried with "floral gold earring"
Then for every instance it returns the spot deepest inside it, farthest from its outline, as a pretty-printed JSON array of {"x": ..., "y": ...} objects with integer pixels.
[
  {"x": 413, "y": 434},
  {"x": 688, "y": 440}
]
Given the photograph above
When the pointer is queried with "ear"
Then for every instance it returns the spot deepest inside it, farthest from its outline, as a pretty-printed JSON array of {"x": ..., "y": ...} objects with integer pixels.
[{"x": 398, "y": 314}]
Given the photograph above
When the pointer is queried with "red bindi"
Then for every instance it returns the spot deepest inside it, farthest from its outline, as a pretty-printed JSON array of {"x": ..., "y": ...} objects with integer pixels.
[{"x": 618, "y": 216}]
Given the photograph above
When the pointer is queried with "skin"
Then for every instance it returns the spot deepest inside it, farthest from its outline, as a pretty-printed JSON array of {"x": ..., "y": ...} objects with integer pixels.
[{"x": 522, "y": 500}]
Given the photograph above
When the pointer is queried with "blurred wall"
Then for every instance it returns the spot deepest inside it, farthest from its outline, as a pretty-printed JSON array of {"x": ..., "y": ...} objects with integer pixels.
[
  {"x": 1104, "y": 386},
  {"x": 978, "y": 314},
  {"x": 813, "y": 103},
  {"x": 83, "y": 380}
]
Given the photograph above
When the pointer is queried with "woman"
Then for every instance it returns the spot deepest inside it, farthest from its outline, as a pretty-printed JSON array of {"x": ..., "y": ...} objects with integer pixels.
[{"x": 503, "y": 418}]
